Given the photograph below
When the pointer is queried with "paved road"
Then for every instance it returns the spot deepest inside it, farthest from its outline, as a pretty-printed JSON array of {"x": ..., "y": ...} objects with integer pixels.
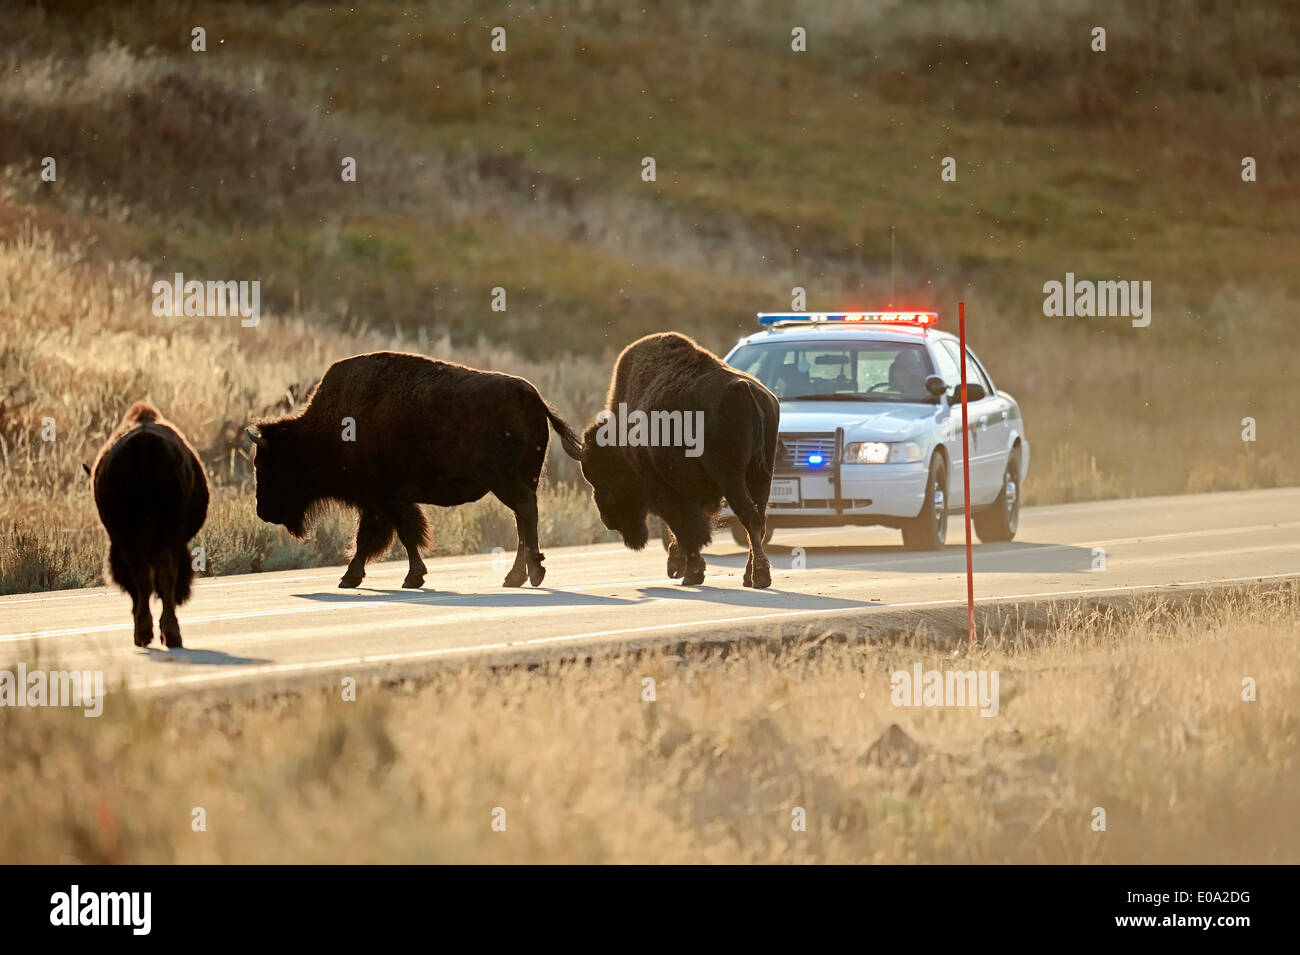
[{"x": 276, "y": 626}]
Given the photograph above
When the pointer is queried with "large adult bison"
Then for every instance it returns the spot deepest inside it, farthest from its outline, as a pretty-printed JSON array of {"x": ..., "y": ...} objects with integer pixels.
[
  {"x": 635, "y": 462},
  {"x": 386, "y": 432},
  {"x": 152, "y": 497}
]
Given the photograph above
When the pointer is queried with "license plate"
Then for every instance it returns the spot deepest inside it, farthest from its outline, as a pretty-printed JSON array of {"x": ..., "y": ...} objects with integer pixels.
[{"x": 785, "y": 491}]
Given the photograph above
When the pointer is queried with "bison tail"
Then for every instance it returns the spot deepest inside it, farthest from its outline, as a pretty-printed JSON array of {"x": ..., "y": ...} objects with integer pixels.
[
  {"x": 184, "y": 576},
  {"x": 572, "y": 444},
  {"x": 767, "y": 436}
]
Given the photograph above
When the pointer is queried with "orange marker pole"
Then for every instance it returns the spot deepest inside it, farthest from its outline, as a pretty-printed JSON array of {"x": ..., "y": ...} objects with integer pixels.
[{"x": 965, "y": 478}]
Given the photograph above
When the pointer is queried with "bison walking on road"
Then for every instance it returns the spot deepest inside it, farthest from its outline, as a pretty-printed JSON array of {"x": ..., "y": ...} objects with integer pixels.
[
  {"x": 152, "y": 497},
  {"x": 387, "y": 431},
  {"x": 644, "y": 457}
]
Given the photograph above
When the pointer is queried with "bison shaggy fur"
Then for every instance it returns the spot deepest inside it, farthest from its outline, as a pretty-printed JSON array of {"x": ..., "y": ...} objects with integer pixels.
[
  {"x": 152, "y": 497},
  {"x": 671, "y": 373},
  {"x": 386, "y": 432}
]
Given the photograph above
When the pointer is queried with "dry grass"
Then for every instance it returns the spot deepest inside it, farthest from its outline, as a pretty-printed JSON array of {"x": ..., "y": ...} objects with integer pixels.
[
  {"x": 1139, "y": 712},
  {"x": 81, "y": 344},
  {"x": 520, "y": 171}
]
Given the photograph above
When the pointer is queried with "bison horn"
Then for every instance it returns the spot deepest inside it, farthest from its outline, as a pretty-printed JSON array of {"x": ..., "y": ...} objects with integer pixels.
[{"x": 256, "y": 438}]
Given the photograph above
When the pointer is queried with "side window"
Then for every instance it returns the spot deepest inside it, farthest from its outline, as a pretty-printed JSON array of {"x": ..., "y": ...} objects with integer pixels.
[
  {"x": 983, "y": 372},
  {"x": 973, "y": 373},
  {"x": 947, "y": 367}
]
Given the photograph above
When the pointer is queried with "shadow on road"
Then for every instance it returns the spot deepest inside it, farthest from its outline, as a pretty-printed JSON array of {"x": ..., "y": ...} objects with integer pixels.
[
  {"x": 523, "y": 597},
  {"x": 1014, "y": 557},
  {"x": 200, "y": 657}
]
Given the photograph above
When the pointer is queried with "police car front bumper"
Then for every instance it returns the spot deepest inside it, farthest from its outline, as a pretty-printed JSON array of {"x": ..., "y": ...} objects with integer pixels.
[{"x": 865, "y": 493}]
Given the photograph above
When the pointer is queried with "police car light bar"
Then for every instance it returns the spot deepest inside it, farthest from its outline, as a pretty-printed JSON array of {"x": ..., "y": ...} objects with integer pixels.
[{"x": 921, "y": 319}]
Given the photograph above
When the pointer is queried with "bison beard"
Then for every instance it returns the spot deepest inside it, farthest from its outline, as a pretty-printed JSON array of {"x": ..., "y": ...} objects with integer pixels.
[
  {"x": 669, "y": 372},
  {"x": 152, "y": 497},
  {"x": 423, "y": 432}
]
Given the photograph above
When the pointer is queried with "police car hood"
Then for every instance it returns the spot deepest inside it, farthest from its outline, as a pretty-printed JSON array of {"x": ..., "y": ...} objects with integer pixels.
[{"x": 861, "y": 420}]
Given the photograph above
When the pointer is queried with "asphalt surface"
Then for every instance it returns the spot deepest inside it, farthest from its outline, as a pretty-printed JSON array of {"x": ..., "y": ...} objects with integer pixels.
[{"x": 264, "y": 628}]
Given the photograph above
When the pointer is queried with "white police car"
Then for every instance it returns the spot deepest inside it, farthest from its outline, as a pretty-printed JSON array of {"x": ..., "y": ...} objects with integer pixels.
[{"x": 871, "y": 426}]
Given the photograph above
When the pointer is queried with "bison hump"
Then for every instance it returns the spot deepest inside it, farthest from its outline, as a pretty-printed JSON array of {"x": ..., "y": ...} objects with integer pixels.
[{"x": 142, "y": 413}]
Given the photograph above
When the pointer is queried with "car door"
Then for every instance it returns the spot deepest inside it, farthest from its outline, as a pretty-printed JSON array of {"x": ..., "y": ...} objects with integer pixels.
[
  {"x": 946, "y": 368},
  {"x": 996, "y": 429},
  {"x": 988, "y": 430}
]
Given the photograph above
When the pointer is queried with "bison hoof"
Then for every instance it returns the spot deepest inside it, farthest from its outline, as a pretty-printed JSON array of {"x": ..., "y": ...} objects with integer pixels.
[
  {"x": 536, "y": 574},
  {"x": 413, "y": 581},
  {"x": 172, "y": 641},
  {"x": 676, "y": 567},
  {"x": 351, "y": 580},
  {"x": 143, "y": 637},
  {"x": 515, "y": 578},
  {"x": 694, "y": 575},
  {"x": 761, "y": 578}
]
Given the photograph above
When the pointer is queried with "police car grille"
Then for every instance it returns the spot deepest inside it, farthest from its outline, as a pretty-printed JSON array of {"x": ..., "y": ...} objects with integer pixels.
[{"x": 795, "y": 449}]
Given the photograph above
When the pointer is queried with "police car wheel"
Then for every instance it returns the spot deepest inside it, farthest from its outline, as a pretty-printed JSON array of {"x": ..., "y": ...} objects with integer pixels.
[
  {"x": 929, "y": 529},
  {"x": 1000, "y": 520}
]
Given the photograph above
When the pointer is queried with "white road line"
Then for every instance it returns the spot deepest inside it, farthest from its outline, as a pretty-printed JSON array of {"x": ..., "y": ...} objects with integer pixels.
[
  {"x": 443, "y": 600},
  {"x": 378, "y": 601},
  {"x": 981, "y": 553},
  {"x": 236, "y": 673},
  {"x": 212, "y": 583}
]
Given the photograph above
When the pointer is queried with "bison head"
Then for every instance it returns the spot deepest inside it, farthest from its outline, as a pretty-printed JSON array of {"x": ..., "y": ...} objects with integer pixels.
[
  {"x": 277, "y": 468},
  {"x": 619, "y": 496}
]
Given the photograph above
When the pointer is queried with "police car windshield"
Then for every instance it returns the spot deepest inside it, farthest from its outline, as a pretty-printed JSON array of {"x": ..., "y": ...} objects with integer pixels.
[{"x": 838, "y": 370}]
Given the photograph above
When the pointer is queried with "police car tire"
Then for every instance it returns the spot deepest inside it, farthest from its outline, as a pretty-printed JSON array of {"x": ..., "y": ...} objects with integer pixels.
[
  {"x": 922, "y": 531},
  {"x": 999, "y": 522}
]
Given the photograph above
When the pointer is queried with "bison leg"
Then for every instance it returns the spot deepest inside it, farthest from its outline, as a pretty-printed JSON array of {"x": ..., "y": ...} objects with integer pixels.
[
  {"x": 165, "y": 579},
  {"x": 676, "y": 559},
  {"x": 518, "y": 572},
  {"x": 694, "y": 575},
  {"x": 758, "y": 569},
  {"x": 374, "y": 536},
  {"x": 528, "y": 556},
  {"x": 690, "y": 529},
  {"x": 413, "y": 532},
  {"x": 142, "y": 581}
]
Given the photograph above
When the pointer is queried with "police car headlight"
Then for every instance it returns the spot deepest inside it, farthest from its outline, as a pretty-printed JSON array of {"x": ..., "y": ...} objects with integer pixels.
[{"x": 882, "y": 452}]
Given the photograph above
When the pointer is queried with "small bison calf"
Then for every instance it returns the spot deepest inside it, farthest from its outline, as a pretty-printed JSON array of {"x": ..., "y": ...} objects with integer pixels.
[{"x": 152, "y": 497}]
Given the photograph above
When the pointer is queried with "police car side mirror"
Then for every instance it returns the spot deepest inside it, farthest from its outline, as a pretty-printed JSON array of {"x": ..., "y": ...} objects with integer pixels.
[
  {"x": 935, "y": 385},
  {"x": 974, "y": 392}
]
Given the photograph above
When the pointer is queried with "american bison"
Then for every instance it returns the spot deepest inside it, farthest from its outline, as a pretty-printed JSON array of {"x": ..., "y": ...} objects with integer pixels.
[
  {"x": 386, "y": 432},
  {"x": 152, "y": 497},
  {"x": 643, "y": 456}
]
